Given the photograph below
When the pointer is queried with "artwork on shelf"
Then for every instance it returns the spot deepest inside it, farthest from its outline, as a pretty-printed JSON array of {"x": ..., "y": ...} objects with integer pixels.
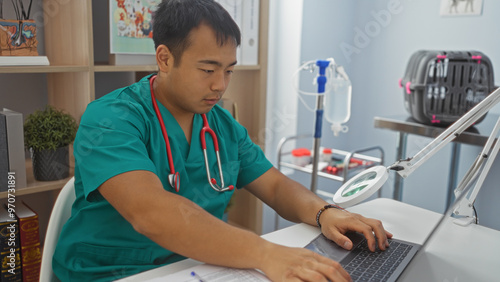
[
  {"x": 131, "y": 26},
  {"x": 131, "y": 30},
  {"x": 18, "y": 37}
]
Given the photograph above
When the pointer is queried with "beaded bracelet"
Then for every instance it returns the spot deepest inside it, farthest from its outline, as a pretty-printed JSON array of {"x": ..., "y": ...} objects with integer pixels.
[{"x": 325, "y": 208}]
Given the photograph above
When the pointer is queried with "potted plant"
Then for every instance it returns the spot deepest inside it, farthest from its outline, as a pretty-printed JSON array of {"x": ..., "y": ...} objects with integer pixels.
[{"x": 48, "y": 134}]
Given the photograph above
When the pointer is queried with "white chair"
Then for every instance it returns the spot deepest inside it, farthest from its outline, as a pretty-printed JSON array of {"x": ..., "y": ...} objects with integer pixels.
[{"x": 60, "y": 214}]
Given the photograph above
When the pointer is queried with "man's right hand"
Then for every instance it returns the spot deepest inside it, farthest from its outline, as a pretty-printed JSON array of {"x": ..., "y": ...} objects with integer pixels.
[{"x": 298, "y": 264}]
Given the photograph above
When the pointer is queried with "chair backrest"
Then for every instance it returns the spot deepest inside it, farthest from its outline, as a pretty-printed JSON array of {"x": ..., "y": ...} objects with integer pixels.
[{"x": 60, "y": 214}]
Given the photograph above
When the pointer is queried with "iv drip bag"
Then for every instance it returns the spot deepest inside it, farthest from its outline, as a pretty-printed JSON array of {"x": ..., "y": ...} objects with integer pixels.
[{"x": 338, "y": 101}]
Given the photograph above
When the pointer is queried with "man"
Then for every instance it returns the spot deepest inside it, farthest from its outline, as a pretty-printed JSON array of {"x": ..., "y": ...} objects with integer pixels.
[{"x": 140, "y": 205}]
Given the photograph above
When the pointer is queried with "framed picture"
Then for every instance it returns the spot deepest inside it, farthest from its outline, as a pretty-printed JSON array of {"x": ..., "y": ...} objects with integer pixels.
[
  {"x": 461, "y": 7},
  {"x": 131, "y": 26}
]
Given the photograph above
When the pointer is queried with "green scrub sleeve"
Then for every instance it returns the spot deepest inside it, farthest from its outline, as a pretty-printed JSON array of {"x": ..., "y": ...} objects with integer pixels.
[
  {"x": 110, "y": 141},
  {"x": 253, "y": 162}
]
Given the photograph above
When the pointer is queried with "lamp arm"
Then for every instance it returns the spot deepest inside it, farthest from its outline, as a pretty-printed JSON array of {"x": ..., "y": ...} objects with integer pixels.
[
  {"x": 470, "y": 174},
  {"x": 479, "y": 171},
  {"x": 405, "y": 167}
]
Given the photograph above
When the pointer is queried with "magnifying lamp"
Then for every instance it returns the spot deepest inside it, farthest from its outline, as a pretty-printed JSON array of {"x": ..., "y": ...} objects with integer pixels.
[{"x": 363, "y": 185}]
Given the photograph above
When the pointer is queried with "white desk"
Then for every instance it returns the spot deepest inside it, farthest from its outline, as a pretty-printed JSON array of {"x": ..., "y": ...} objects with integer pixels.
[{"x": 455, "y": 254}]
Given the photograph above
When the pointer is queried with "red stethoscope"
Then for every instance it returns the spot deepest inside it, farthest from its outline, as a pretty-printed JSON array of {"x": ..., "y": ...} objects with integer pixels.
[{"x": 173, "y": 177}]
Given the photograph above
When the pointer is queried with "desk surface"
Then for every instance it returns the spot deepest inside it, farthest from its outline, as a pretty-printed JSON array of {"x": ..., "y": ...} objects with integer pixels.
[
  {"x": 475, "y": 135},
  {"x": 463, "y": 253},
  {"x": 457, "y": 253}
]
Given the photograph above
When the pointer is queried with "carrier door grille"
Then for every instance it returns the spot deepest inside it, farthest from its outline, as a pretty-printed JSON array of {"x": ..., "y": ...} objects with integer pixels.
[{"x": 454, "y": 87}]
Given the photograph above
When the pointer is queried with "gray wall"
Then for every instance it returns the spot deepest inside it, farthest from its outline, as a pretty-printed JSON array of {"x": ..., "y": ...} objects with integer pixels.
[{"x": 397, "y": 29}]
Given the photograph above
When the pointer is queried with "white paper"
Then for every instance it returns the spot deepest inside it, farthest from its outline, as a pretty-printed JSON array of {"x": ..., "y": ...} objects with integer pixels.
[{"x": 211, "y": 273}]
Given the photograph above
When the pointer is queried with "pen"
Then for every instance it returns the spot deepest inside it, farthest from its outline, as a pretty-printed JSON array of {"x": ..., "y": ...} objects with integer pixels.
[{"x": 195, "y": 275}]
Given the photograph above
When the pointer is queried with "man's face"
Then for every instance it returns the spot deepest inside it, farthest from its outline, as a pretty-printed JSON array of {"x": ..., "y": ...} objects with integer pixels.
[{"x": 199, "y": 81}]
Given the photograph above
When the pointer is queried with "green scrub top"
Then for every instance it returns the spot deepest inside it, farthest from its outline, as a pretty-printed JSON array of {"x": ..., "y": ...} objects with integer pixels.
[{"x": 118, "y": 133}]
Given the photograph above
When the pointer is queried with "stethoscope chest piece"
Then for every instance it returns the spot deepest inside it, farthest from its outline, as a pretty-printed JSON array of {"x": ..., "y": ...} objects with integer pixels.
[{"x": 175, "y": 181}]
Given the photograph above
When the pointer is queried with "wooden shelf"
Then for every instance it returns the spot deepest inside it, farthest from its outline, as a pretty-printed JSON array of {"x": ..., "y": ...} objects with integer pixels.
[
  {"x": 127, "y": 68},
  {"x": 37, "y": 187},
  {"x": 34, "y": 186},
  {"x": 151, "y": 68},
  {"x": 43, "y": 69},
  {"x": 245, "y": 68},
  {"x": 71, "y": 85}
]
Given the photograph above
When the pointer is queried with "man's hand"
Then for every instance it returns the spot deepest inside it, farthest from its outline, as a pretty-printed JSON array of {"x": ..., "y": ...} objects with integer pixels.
[
  {"x": 297, "y": 264},
  {"x": 335, "y": 223},
  {"x": 296, "y": 203}
]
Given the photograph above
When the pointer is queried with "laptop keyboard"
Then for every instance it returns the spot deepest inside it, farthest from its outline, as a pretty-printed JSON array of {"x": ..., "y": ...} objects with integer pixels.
[{"x": 364, "y": 265}]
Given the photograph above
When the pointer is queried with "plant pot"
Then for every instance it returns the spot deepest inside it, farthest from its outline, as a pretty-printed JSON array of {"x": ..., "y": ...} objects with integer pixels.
[
  {"x": 49, "y": 165},
  {"x": 18, "y": 38}
]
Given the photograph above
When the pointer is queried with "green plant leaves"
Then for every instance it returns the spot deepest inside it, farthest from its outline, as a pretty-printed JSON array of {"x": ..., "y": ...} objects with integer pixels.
[{"x": 49, "y": 129}]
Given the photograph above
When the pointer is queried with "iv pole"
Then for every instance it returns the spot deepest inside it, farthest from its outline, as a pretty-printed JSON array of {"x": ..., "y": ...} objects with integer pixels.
[{"x": 321, "y": 80}]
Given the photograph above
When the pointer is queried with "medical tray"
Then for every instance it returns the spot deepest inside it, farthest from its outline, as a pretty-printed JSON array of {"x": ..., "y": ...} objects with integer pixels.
[{"x": 440, "y": 86}]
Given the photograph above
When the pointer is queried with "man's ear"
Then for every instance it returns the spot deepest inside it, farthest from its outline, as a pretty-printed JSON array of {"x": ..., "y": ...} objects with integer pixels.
[{"x": 164, "y": 58}]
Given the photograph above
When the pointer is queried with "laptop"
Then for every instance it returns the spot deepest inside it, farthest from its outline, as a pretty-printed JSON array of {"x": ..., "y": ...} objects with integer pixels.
[{"x": 388, "y": 265}]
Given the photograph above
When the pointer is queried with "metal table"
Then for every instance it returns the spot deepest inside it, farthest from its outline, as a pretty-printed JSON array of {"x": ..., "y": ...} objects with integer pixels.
[{"x": 405, "y": 125}]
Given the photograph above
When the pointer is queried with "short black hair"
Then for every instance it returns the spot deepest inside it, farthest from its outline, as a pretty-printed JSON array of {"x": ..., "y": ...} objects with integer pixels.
[{"x": 174, "y": 20}]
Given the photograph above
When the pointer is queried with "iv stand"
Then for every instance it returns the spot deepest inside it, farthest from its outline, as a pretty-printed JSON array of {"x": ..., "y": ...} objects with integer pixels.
[{"x": 321, "y": 79}]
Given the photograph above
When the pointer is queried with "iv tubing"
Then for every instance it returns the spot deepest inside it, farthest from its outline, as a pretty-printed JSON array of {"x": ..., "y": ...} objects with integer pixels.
[{"x": 310, "y": 66}]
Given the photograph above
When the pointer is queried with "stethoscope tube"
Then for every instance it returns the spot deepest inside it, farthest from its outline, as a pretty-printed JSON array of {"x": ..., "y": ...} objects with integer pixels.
[
  {"x": 213, "y": 183},
  {"x": 174, "y": 178}
]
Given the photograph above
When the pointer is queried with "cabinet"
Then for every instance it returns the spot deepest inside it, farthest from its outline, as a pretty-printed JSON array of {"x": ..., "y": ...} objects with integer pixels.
[{"x": 68, "y": 34}]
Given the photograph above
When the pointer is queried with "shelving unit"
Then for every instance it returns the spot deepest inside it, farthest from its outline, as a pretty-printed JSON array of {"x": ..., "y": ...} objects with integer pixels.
[
  {"x": 44, "y": 69},
  {"x": 337, "y": 177},
  {"x": 284, "y": 160},
  {"x": 346, "y": 157},
  {"x": 69, "y": 45}
]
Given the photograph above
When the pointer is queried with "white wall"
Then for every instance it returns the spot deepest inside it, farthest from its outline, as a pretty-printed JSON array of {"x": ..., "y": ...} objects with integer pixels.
[
  {"x": 284, "y": 58},
  {"x": 285, "y": 26},
  {"x": 383, "y": 34}
]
